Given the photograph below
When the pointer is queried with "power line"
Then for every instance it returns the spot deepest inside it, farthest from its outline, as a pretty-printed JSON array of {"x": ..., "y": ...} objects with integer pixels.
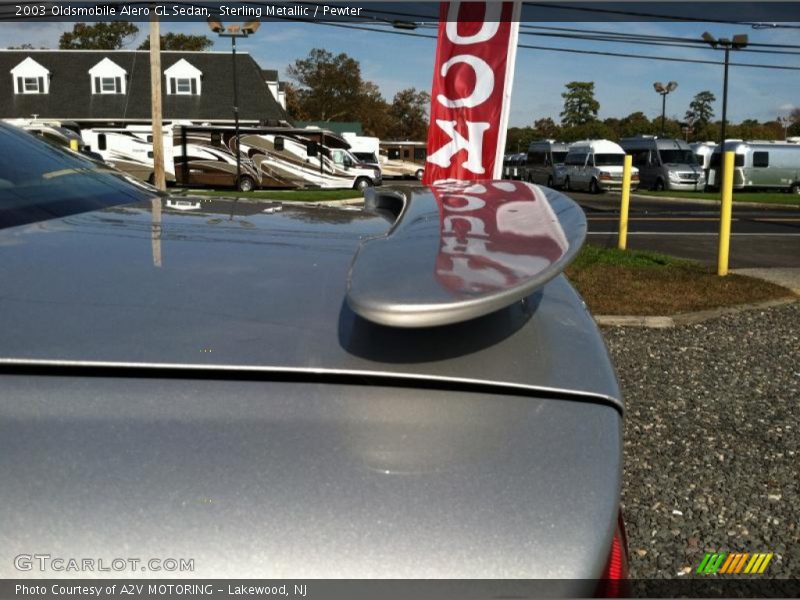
[
  {"x": 603, "y": 36},
  {"x": 573, "y": 50},
  {"x": 629, "y": 13},
  {"x": 645, "y": 42},
  {"x": 649, "y": 36}
]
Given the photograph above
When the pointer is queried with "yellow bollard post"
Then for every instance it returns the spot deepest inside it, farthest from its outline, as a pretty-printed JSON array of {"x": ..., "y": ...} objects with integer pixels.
[
  {"x": 725, "y": 214},
  {"x": 73, "y": 145},
  {"x": 626, "y": 200}
]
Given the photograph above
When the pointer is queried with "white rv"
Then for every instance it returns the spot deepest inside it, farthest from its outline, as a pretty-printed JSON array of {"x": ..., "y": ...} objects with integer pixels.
[
  {"x": 364, "y": 148},
  {"x": 703, "y": 152},
  {"x": 278, "y": 157},
  {"x": 61, "y": 133},
  {"x": 130, "y": 149},
  {"x": 286, "y": 157},
  {"x": 596, "y": 166},
  {"x": 403, "y": 159},
  {"x": 760, "y": 165}
]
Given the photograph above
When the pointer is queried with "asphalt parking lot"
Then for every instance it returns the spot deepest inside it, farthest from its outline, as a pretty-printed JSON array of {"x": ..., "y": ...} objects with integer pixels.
[{"x": 711, "y": 441}]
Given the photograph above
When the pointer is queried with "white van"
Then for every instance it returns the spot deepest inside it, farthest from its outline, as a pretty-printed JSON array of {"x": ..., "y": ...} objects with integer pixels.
[
  {"x": 596, "y": 166},
  {"x": 365, "y": 148}
]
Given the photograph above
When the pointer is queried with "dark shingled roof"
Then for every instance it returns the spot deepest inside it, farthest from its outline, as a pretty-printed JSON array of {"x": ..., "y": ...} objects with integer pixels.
[
  {"x": 70, "y": 96},
  {"x": 269, "y": 74}
]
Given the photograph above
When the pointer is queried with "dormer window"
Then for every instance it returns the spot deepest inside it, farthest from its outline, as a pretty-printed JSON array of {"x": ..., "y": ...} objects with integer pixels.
[
  {"x": 31, "y": 85},
  {"x": 29, "y": 77},
  {"x": 184, "y": 86},
  {"x": 183, "y": 79},
  {"x": 108, "y": 77},
  {"x": 107, "y": 85}
]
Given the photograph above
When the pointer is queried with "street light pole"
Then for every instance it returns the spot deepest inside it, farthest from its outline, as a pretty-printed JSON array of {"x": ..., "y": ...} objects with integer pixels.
[
  {"x": 737, "y": 43},
  {"x": 664, "y": 89},
  {"x": 784, "y": 122},
  {"x": 725, "y": 99},
  {"x": 233, "y": 32}
]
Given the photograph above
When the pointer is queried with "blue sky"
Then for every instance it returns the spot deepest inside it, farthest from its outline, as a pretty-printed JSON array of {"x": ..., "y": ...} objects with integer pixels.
[{"x": 622, "y": 85}]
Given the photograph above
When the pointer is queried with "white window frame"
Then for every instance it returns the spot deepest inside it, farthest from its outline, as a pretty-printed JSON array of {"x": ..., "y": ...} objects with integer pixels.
[
  {"x": 185, "y": 80},
  {"x": 35, "y": 89},
  {"x": 113, "y": 84}
]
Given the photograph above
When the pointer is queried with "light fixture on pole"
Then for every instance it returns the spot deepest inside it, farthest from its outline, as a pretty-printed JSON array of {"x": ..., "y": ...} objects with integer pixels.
[
  {"x": 784, "y": 122},
  {"x": 233, "y": 32},
  {"x": 664, "y": 89}
]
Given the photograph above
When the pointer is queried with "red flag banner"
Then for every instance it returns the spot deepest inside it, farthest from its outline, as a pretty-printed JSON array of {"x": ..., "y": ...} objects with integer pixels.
[{"x": 471, "y": 90}]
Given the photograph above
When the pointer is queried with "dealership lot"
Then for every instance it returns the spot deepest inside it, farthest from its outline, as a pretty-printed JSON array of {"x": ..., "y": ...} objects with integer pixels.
[{"x": 711, "y": 441}]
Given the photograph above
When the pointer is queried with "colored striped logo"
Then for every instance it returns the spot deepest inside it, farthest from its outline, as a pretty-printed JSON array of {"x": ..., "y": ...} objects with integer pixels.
[{"x": 736, "y": 563}]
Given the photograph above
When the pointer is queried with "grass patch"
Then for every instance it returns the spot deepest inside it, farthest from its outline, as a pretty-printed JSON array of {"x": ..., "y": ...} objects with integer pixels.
[
  {"x": 283, "y": 195},
  {"x": 630, "y": 282},
  {"x": 759, "y": 197}
]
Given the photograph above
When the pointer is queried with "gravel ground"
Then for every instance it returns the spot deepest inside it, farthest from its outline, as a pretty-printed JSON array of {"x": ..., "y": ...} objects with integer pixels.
[{"x": 711, "y": 441}]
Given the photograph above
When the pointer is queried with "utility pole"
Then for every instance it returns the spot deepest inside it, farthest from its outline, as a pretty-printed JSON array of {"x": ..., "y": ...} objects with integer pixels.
[
  {"x": 159, "y": 179},
  {"x": 236, "y": 111}
]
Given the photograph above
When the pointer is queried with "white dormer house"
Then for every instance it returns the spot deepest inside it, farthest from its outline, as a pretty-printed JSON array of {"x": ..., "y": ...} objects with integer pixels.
[
  {"x": 183, "y": 79},
  {"x": 29, "y": 77},
  {"x": 107, "y": 77}
]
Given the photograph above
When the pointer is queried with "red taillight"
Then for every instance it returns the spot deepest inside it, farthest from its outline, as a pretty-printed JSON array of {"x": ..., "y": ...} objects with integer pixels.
[{"x": 614, "y": 581}]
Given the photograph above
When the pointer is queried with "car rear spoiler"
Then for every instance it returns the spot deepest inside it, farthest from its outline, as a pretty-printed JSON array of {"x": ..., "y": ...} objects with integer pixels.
[{"x": 460, "y": 250}]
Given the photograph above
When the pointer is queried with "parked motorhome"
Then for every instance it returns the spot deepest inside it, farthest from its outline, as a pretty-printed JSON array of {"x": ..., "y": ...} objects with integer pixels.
[
  {"x": 516, "y": 166},
  {"x": 279, "y": 157},
  {"x": 702, "y": 152},
  {"x": 545, "y": 163},
  {"x": 61, "y": 133},
  {"x": 760, "y": 165},
  {"x": 665, "y": 164},
  {"x": 130, "y": 149},
  {"x": 282, "y": 157},
  {"x": 365, "y": 148},
  {"x": 596, "y": 166},
  {"x": 403, "y": 159},
  {"x": 286, "y": 157}
]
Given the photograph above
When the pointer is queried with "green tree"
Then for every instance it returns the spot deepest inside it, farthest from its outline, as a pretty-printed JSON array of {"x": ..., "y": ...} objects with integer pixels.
[
  {"x": 519, "y": 138},
  {"x": 580, "y": 105},
  {"x": 614, "y": 126},
  {"x": 700, "y": 110},
  {"x": 372, "y": 111},
  {"x": 409, "y": 114},
  {"x": 794, "y": 128},
  {"x": 293, "y": 103},
  {"x": 181, "y": 41},
  {"x": 592, "y": 130},
  {"x": 546, "y": 129},
  {"x": 99, "y": 36},
  {"x": 636, "y": 123},
  {"x": 330, "y": 88},
  {"x": 329, "y": 85}
]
